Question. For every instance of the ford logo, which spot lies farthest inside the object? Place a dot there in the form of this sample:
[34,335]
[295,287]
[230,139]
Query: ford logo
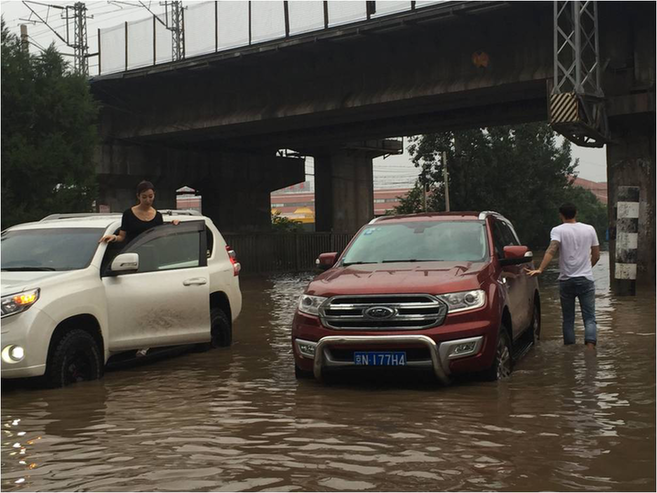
[379,312]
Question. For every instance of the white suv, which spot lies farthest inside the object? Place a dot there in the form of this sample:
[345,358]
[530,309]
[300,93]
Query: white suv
[69,303]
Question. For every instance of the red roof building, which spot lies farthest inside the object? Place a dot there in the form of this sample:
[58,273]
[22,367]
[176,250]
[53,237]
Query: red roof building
[598,188]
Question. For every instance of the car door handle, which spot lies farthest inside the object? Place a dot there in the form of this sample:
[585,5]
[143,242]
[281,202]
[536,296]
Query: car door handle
[195,281]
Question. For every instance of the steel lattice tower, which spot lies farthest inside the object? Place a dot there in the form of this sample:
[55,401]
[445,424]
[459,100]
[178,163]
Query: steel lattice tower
[577,108]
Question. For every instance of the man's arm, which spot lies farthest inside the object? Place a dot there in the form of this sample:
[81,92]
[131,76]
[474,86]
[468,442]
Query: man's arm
[549,255]
[595,254]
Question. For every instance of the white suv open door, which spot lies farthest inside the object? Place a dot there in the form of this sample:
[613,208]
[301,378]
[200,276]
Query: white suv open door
[166,301]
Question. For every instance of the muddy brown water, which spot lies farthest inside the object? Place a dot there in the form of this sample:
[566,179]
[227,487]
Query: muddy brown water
[237,420]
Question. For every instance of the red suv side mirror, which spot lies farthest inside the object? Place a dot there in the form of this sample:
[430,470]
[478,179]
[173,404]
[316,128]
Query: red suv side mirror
[326,260]
[514,255]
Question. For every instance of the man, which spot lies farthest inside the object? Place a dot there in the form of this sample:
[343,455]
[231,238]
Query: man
[579,250]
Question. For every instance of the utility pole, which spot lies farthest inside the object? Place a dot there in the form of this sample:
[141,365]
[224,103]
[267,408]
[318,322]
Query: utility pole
[79,43]
[80,47]
[424,197]
[446,179]
[423,179]
[25,44]
[177,28]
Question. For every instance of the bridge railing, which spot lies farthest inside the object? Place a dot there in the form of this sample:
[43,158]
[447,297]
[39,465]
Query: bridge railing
[261,253]
[210,27]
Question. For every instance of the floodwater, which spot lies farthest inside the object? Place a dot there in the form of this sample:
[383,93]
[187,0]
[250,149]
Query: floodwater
[237,420]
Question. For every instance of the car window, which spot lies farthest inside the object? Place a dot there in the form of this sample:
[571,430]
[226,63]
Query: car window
[503,236]
[498,239]
[416,241]
[509,236]
[178,250]
[56,249]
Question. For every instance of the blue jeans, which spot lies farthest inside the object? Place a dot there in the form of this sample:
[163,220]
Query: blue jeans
[583,289]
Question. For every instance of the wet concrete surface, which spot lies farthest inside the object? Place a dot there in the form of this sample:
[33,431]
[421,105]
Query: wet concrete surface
[237,420]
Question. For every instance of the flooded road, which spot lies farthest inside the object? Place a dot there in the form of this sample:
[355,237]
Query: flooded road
[237,420]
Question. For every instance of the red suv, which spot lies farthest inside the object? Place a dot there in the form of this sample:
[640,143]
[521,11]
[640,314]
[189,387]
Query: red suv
[443,291]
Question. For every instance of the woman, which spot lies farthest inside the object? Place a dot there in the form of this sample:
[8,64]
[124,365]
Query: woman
[138,218]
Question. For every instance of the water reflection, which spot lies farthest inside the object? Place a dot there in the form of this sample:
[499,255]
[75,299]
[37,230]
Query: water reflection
[237,419]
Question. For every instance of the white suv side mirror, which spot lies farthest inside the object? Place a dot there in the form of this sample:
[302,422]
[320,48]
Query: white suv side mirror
[125,262]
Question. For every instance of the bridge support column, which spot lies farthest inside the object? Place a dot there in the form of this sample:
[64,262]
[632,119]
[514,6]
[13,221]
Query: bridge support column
[344,191]
[236,190]
[631,163]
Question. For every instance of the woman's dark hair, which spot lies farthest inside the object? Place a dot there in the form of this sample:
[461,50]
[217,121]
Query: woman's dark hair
[143,186]
[568,210]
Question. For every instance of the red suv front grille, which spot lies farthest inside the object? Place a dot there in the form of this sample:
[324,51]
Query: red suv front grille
[383,312]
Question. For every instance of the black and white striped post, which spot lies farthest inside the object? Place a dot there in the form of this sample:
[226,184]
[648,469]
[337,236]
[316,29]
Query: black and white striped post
[627,236]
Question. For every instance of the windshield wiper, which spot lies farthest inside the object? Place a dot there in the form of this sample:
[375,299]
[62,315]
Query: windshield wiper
[27,269]
[358,262]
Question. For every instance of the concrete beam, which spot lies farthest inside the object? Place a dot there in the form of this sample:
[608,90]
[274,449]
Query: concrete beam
[422,72]
[235,186]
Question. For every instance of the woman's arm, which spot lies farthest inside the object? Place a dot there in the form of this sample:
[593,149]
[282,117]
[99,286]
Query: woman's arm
[113,238]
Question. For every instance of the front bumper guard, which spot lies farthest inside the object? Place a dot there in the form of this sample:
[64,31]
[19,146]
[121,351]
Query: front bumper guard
[441,354]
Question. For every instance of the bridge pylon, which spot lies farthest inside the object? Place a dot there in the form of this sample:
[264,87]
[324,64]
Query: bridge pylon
[577,104]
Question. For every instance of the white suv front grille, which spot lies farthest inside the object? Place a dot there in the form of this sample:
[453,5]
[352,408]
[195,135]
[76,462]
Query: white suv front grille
[383,312]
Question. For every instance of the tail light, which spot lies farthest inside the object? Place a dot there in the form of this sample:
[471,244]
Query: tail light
[232,256]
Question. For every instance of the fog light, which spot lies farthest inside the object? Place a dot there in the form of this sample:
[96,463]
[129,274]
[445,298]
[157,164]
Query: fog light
[13,354]
[306,348]
[464,348]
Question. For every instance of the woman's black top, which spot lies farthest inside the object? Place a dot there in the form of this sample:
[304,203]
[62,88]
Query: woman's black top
[133,226]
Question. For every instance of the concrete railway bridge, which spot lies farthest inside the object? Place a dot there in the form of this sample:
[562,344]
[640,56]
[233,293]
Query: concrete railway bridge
[216,121]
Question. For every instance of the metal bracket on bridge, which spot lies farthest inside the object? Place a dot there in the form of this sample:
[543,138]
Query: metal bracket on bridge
[577,105]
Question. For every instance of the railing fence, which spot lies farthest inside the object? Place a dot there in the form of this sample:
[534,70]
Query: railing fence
[210,27]
[283,252]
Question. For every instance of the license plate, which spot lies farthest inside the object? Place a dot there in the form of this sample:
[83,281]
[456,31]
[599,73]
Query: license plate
[376,358]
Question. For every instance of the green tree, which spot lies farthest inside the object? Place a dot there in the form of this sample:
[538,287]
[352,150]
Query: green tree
[282,224]
[519,171]
[48,135]
[411,202]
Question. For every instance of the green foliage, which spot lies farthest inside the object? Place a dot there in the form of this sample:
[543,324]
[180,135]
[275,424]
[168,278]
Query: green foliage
[517,171]
[48,135]
[411,202]
[280,224]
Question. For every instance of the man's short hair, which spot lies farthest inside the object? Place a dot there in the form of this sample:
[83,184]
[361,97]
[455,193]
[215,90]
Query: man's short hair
[568,210]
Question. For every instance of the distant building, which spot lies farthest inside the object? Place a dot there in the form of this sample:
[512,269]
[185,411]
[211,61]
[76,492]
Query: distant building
[186,198]
[300,206]
[599,189]
[297,202]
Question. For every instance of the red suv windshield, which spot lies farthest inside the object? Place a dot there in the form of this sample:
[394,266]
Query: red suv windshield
[416,241]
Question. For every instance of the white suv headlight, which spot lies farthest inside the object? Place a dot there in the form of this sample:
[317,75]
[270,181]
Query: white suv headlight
[465,300]
[310,304]
[19,302]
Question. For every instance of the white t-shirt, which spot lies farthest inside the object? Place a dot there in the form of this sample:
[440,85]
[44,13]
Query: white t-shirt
[575,242]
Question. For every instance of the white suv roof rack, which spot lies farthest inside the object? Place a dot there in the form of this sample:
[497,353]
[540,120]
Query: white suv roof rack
[484,214]
[68,215]
[164,212]
[179,212]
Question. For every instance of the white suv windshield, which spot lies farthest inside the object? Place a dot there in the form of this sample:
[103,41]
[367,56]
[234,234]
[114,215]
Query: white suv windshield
[49,248]
[419,241]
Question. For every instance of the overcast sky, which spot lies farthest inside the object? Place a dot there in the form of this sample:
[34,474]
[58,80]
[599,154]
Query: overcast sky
[393,171]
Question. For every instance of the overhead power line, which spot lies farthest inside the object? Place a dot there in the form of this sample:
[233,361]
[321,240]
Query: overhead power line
[78,39]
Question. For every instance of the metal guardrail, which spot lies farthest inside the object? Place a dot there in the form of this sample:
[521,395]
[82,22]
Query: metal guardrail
[260,253]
